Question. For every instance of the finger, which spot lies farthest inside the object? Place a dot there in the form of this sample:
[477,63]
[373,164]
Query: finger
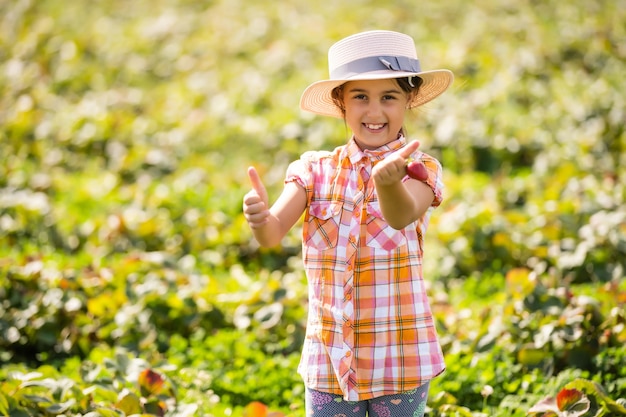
[257,184]
[410,147]
[258,225]
[257,218]
[251,197]
[253,204]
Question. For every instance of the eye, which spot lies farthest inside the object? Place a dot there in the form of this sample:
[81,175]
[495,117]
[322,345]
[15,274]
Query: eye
[360,97]
[392,95]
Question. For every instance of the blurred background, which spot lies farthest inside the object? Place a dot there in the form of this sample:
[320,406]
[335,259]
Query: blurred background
[129,281]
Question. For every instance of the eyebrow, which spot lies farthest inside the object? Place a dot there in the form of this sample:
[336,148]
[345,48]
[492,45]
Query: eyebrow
[361,90]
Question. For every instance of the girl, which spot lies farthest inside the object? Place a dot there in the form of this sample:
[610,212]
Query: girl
[371,346]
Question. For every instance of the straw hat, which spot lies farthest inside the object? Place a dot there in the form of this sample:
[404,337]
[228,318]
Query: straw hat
[373,55]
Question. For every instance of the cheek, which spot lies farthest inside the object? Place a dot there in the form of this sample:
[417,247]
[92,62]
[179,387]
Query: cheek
[352,114]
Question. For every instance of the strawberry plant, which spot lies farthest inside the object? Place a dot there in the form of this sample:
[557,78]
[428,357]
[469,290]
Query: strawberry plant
[579,398]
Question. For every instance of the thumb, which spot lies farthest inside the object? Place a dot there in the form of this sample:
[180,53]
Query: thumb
[257,184]
[407,150]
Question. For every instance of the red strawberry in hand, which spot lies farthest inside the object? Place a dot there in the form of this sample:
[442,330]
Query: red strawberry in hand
[417,170]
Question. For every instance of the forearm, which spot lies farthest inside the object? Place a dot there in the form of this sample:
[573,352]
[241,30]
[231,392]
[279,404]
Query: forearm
[396,204]
[402,203]
[270,234]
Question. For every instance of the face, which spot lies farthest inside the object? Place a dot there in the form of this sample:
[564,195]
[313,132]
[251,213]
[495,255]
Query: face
[374,111]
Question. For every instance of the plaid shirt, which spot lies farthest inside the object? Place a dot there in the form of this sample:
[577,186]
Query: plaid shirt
[370,330]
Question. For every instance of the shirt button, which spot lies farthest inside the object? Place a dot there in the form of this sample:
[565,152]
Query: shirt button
[348,297]
[348,354]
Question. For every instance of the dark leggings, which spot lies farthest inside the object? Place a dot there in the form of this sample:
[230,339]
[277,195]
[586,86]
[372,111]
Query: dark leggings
[407,404]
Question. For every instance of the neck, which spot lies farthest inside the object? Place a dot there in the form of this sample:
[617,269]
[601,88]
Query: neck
[364,147]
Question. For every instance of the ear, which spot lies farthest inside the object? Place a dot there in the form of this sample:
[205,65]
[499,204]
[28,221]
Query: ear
[337,96]
[411,97]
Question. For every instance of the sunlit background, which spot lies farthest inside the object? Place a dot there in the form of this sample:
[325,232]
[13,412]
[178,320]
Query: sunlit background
[129,280]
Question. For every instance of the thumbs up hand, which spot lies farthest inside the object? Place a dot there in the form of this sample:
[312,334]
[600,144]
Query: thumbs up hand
[255,202]
[392,169]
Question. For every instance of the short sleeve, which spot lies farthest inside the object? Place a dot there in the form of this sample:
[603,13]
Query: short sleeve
[296,172]
[435,175]
[300,171]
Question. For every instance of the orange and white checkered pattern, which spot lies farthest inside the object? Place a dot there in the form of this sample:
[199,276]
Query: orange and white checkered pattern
[370,330]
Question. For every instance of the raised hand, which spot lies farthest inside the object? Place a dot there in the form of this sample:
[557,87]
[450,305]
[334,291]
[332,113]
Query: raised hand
[255,202]
[393,168]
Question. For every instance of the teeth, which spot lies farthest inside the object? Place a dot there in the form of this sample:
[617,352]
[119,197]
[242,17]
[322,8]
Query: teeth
[374,127]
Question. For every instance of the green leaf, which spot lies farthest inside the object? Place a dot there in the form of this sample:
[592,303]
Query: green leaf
[595,390]
[60,408]
[4,404]
[455,410]
[129,404]
[104,412]
[531,356]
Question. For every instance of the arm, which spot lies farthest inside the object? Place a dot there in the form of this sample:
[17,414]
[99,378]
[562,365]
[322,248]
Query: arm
[401,203]
[269,226]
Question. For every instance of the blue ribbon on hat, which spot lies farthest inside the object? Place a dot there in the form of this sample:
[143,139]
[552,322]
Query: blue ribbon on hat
[375,63]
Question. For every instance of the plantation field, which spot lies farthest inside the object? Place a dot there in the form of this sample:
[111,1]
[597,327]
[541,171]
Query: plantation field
[130,283]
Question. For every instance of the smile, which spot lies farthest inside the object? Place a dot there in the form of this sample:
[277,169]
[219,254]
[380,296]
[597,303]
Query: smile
[374,126]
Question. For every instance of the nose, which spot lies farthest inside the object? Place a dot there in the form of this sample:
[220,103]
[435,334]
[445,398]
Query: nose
[374,108]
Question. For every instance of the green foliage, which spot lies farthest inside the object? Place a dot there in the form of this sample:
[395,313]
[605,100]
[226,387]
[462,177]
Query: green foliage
[129,283]
[240,369]
[50,313]
[544,335]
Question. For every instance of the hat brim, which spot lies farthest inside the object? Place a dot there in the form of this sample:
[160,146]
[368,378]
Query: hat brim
[317,98]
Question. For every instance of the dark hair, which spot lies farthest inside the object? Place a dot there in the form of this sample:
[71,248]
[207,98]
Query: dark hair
[409,85]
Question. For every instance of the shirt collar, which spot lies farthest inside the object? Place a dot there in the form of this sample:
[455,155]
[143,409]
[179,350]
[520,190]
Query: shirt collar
[356,154]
